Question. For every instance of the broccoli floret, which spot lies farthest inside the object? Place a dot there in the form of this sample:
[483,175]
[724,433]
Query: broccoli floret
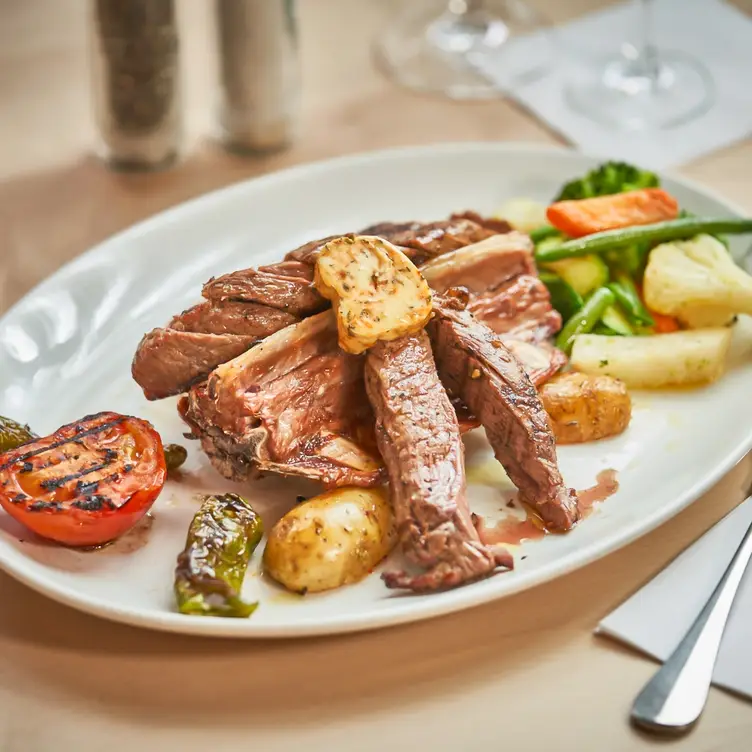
[609,178]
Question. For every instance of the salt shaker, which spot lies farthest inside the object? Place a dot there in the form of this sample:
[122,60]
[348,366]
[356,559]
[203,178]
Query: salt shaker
[260,74]
[136,81]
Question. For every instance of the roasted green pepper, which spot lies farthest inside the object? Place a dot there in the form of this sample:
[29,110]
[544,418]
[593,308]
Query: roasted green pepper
[13,434]
[209,575]
[175,455]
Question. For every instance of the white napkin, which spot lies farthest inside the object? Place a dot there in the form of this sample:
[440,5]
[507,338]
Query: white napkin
[656,618]
[713,31]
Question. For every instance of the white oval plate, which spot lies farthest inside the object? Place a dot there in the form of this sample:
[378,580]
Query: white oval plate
[66,348]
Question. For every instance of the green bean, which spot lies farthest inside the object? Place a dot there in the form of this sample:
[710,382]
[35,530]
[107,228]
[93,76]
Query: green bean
[564,298]
[626,294]
[585,319]
[673,229]
[543,232]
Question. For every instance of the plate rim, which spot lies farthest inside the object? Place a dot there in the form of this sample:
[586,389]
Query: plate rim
[201,626]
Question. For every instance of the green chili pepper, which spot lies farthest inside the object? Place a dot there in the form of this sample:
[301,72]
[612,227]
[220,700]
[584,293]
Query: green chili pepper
[13,434]
[209,575]
[585,319]
[660,232]
[563,296]
[626,294]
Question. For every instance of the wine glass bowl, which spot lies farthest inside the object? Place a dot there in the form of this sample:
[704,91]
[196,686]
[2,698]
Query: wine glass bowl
[436,46]
[644,88]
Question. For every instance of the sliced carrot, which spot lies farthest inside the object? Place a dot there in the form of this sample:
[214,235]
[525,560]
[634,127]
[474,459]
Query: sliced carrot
[589,215]
[664,324]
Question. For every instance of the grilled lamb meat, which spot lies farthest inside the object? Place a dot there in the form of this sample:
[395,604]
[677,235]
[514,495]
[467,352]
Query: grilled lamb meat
[170,360]
[273,286]
[505,294]
[167,363]
[420,242]
[295,405]
[419,438]
[475,365]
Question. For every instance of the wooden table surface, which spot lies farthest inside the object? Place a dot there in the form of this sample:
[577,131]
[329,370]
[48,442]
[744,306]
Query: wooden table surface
[525,673]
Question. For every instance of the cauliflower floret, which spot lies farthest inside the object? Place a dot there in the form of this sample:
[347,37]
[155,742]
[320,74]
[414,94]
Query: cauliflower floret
[698,282]
[523,214]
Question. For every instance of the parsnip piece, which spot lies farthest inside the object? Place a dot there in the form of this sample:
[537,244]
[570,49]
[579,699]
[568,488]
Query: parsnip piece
[663,360]
[376,291]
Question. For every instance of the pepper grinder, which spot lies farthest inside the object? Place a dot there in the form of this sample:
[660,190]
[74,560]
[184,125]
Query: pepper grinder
[136,82]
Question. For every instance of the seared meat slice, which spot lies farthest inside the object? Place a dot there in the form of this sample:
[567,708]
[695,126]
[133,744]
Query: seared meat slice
[169,361]
[540,361]
[293,294]
[505,292]
[419,439]
[294,404]
[420,242]
[250,319]
[499,226]
[258,302]
[474,364]
[507,296]
[520,309]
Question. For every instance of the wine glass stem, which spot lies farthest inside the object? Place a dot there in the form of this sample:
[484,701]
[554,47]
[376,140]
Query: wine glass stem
[648,56]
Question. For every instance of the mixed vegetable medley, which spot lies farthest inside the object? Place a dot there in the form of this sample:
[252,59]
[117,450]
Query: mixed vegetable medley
[622,262]
[647,293]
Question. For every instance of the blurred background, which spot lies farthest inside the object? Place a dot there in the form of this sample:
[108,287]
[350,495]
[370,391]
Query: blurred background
[340,76]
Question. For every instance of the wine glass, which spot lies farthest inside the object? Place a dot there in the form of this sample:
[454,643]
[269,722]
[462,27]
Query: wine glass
[439,47]
[644,88]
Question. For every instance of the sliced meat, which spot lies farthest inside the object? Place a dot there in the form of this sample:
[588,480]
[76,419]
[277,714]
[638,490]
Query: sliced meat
[519,309]
[294,294]
[499,226]
[419,438]
[258,302]
[250,319]
[475,365]
[169,361]
[306,253]
[540,361]
[421,242]
[484,266]
[498,275]
[294,404]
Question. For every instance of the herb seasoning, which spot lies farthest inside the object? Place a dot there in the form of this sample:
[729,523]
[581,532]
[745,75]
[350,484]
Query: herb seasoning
[135,75]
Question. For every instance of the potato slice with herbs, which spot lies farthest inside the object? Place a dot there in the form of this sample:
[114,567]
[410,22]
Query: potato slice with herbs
[376,291]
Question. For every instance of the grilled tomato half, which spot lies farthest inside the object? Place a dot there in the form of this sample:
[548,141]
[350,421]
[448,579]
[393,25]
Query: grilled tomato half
[87,483]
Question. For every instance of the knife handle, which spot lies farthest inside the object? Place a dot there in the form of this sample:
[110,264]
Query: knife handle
[673,700]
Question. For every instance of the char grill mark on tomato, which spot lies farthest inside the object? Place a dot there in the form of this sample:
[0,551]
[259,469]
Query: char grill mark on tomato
[87,483]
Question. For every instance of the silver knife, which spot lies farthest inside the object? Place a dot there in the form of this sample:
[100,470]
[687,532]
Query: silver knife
[673,700]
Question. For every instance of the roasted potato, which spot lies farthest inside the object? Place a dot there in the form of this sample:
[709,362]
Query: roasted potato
[585,408]
[376,291]
[330,540]
[678,359]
